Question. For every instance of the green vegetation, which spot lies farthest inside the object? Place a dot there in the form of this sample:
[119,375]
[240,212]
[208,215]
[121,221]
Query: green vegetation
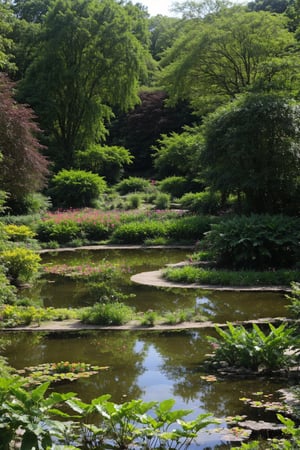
[125,113]
[254,349]
[22,264]
[76,188]
[294,297]
[133,184]
[206,202]
[121,227]
[175,186]
[107,314]
[256,241]
[31,418]
[106,161]
[192,274]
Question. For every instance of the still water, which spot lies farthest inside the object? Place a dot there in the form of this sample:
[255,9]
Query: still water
[149,365]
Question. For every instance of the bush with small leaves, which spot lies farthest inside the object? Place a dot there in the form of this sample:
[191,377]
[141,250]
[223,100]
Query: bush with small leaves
[76,188]
[201,202]
[175,186]
[133,184]
[22,264]
[162,201]
[18,233]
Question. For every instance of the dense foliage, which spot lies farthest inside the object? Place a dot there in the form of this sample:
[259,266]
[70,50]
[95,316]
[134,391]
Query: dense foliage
[251,148]
[76,188]
[256,241]
[23,169]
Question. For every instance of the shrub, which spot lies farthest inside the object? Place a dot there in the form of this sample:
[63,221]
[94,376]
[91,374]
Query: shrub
[189,228]
[62,232]
[175,186]
[22,264]
[149,319]
[105,160]
[29,220]
[133,201]
[32,203]
[138,232]
[107,314]
[201,202]
[253,349]
[76,188]
[257,241]
[7,291]
[18,233]
[162,201]
[133,184]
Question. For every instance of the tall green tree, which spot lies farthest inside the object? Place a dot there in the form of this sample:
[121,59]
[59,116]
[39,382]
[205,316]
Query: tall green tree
[6,42]
[89,62]
[226,54]
[252,148]
[164,31]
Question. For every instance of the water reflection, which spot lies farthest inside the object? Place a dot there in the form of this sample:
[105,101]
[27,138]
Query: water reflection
[151,366]
[146,365]
[217,306]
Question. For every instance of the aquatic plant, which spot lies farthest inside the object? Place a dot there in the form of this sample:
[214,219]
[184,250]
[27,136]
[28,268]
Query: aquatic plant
[253,349]
[58,371]
[142,425]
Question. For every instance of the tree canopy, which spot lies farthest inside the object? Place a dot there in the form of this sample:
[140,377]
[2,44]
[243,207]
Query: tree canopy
[89,61]
[252,148]
[226,54]
[23,169]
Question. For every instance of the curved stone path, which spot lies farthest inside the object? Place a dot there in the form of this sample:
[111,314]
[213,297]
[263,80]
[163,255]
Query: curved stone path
[153,278]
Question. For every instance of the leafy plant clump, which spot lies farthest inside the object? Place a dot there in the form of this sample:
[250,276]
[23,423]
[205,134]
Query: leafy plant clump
[18,233]
[133,184]
[255,350]
[76,188]
[111,313]
[256,242]
[16,315]
[201,202]
[142,425]
[176,186]
[29,418]
[22,264]
[294,297]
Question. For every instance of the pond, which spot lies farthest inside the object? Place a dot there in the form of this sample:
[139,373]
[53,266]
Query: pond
[150,365]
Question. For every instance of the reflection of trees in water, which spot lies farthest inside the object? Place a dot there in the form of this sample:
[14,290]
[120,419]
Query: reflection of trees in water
[24,349]
[182,353]
[116,350]
[230,306]
[119,352]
